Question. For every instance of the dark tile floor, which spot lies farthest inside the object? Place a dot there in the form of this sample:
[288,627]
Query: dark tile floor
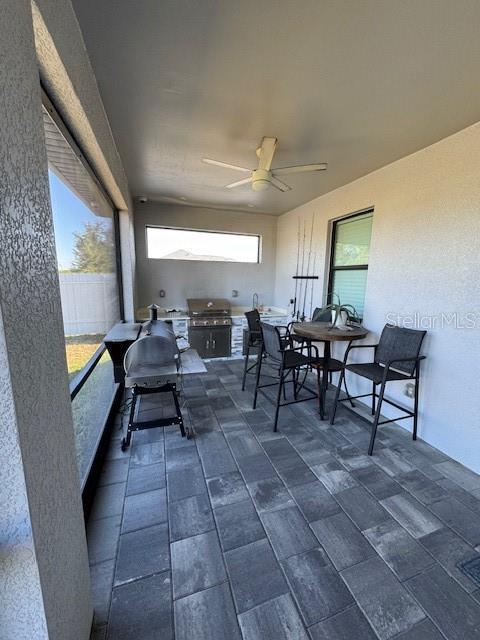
[244,533]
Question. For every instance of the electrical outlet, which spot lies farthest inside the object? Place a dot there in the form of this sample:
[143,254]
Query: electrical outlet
[410,390]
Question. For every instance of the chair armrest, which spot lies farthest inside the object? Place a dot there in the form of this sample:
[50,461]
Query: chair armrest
[308,346]
[357,346]
[297,348]
[365,346]
[389,363]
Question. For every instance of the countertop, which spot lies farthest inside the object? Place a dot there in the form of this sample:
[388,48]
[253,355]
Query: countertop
[237,312]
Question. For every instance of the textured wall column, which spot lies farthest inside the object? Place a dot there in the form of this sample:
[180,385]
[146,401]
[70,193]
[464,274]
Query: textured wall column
[127,251]
[44,582]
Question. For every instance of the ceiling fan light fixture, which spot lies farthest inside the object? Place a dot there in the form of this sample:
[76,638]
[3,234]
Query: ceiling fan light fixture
[264,176]
[260,185]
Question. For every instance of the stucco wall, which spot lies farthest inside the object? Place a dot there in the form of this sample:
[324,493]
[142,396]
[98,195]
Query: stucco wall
[424,260]
[184,279]
[44,579]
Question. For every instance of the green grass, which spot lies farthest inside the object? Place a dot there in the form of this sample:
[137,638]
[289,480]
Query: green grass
[79,351]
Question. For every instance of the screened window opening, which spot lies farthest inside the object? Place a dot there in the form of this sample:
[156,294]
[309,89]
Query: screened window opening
[207,246]
[83,221]
[349,260]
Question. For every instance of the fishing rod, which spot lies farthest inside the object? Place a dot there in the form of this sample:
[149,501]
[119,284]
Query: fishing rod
[308,270]
[303,264]
[313,274]
[313,284]
[296,269]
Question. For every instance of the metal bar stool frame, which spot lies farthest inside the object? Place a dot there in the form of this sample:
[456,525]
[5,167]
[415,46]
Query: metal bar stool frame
[285,352]
[394,369]
[255,341]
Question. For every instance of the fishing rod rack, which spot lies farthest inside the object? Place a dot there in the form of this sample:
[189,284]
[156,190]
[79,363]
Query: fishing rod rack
[304,278]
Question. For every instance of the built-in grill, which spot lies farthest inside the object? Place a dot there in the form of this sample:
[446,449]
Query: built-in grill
[210,326]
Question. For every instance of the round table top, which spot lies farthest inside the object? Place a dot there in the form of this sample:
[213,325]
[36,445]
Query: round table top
[323,331]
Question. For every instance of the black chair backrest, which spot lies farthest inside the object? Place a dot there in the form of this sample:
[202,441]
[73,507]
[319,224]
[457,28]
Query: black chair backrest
[272,342]
[398,342]
[253,320]
[322,315]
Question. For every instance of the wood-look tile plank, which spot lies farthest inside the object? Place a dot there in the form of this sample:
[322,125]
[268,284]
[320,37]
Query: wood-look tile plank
[206,615]
[416,519]
[276,619]
[316,585]
[457,616]
[288,532]
[342,540]
[197,564]
[388,606]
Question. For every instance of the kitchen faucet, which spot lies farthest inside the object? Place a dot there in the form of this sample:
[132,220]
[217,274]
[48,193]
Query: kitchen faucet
[255,301]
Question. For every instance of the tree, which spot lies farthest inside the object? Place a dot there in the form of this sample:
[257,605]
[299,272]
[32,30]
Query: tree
[93,251]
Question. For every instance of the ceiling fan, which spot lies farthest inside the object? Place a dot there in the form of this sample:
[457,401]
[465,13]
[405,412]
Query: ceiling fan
[264,176]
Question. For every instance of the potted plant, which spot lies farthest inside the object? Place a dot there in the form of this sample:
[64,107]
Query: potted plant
[342,313]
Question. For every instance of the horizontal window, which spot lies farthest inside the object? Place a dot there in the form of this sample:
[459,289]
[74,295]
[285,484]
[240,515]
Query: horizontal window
[207,246]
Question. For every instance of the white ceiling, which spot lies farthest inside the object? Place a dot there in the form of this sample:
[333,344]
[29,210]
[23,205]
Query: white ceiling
[355,83]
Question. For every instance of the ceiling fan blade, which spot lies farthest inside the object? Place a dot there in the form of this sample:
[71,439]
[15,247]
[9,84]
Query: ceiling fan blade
[302,168]
[265,156]
[217,163]
[281,186]
[239,183]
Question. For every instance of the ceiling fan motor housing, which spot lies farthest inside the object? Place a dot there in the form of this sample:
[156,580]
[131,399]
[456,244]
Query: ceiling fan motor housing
[260,179]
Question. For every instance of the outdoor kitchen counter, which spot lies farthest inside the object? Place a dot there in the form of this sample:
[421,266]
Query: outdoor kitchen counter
[180,319]
[143,313]
[268,312]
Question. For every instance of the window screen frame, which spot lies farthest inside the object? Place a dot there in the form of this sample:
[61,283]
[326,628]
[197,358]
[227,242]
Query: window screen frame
[90,481]
[354,267]
[71,141]
[209,231]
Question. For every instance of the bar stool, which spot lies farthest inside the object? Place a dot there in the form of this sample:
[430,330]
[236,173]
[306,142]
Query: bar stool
[254,341]
[290,361]
[396,357]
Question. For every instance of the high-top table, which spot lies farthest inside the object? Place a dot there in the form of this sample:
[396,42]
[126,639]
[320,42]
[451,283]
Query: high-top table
[324,332]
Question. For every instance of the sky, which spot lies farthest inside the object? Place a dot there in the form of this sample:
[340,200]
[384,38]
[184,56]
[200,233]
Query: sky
[69,216]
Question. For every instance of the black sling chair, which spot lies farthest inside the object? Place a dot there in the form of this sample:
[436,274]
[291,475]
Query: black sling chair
[289,360]
[254,340]
[396,357]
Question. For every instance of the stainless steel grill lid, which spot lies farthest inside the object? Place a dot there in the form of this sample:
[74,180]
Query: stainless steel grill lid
[208,306]
[153,359]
